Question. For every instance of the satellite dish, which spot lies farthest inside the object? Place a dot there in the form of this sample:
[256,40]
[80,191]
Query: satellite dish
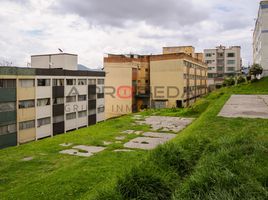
[60,50]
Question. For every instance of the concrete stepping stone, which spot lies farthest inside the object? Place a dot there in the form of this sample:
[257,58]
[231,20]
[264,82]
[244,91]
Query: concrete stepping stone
[167,136]
[138,132]
[27,159]
[120,138]
[123,150]
[90,149]
[145,143]
[76,152]
[164,123]
[66,144]
[128,131]
[107,143]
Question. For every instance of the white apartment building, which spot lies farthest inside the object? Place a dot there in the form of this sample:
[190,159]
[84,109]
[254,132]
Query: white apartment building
[260,38]
[222,62]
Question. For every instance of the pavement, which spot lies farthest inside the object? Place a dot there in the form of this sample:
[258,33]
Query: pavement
[246,106]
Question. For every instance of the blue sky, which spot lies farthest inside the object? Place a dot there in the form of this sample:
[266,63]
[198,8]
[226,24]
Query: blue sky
[93,28]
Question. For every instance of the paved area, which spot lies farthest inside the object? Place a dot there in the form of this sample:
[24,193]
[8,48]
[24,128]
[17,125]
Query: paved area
[246,106]
[174,124]
[151,141]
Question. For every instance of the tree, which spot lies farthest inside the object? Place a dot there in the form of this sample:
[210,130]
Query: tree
[255,70]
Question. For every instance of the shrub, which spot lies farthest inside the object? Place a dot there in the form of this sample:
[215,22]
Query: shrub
[146,183]
[228,81]
[241,79]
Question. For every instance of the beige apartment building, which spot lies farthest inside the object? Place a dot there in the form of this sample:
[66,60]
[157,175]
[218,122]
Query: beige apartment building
[260,38]
[135,82]
[222,62]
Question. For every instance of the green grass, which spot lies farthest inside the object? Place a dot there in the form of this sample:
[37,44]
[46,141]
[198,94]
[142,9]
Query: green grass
[214,158]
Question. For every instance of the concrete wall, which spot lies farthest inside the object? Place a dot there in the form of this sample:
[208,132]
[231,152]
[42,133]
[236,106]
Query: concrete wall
[65,61]
[173,71]
[118,75]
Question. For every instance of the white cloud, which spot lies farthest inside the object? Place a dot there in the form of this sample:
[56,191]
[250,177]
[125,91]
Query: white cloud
[34,27]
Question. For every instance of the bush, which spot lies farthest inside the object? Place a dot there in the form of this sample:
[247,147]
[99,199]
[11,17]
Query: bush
[146,183]
[241,79]
[228,82]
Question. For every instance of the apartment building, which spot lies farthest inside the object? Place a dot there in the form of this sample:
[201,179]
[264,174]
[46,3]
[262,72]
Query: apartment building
[189,50]
[260,38]
[222,62]
[127,84]
[36,103]
[134,82]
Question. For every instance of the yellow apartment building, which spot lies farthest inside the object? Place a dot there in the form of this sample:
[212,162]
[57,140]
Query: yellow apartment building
[175,78]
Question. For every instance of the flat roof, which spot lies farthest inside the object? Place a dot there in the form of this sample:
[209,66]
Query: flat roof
[54,54]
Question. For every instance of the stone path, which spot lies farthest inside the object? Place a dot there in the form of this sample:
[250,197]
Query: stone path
[246,106]
[174,124]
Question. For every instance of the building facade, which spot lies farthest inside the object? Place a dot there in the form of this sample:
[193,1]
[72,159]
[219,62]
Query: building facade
[260,38]
[36,103]
[222,62]
[135,82]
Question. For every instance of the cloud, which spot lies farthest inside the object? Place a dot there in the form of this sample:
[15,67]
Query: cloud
[92,28]
[168,14]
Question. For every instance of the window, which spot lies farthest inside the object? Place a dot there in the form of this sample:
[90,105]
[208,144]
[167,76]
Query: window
[101,109]
[92,96]
[57,101]
[101,81]
[58,82]
[220,68]
[231,55]
[82,114]
[43,121]
[230,62]
[26,104]
[92,111]
[210,75]
[7,107]
[43,82]
[82,97]
[70,99]
[230,69]
[70,116]
[71,81]
[58,119]
[91,81]
[7,83]
[26,83]
[100,95]
[208,54]
[4,130]
[82,81]
[27,125]
[43,102]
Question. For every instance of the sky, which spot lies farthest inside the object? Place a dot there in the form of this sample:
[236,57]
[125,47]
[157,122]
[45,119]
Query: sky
[93,28]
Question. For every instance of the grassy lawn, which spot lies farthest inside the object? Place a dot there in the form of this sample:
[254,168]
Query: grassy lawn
[214,158]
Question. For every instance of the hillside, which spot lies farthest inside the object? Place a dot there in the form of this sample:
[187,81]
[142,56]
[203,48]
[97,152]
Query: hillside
[214,158]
